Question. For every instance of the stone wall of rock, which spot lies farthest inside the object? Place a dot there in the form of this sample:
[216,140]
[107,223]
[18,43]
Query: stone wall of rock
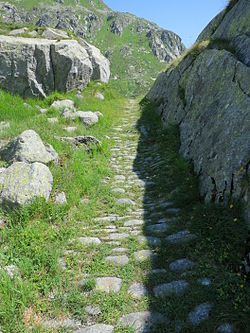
[208,95]
[37,66]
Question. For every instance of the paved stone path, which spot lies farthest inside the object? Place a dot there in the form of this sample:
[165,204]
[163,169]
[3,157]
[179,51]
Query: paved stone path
[149,222]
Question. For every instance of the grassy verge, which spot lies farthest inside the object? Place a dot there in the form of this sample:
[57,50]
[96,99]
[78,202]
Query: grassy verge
[36,235]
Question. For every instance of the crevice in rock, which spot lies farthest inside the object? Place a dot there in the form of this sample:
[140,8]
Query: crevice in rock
[214,191]
[51,51]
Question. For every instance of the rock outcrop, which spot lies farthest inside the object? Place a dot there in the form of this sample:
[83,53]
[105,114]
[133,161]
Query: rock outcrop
[36,66]
[208,95]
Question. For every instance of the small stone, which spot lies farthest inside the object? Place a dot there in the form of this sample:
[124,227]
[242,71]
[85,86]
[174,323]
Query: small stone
[143,322]
[162,227]
[151,241]
[116,236]
[174,287]
[108,284]
[118,190]
[62,263]
[53,120]
[98,328]
[125,201]
[180,236]
[65,323]
[61,199]
[225,328]
[137,290]
[120,178]
[144,255]
[120,250]
[199,314]
[133,223]
[12,271]
[99,114]
[181,265]
[93,311]
[4,125]
[89,240]
[70,129]
[204,282]
[100,96]
[158,271]
[173,210]
[118,260]
[66,103]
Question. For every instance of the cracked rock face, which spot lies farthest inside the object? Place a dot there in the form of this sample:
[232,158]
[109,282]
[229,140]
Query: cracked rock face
[33,67]
[208,96]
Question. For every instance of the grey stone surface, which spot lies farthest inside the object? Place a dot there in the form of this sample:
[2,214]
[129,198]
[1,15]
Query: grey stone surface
[199,314]
[133,223]
[22,183]
[89,240]
[100,96]
[201,95]
[42,65]
[174,287]
[62,104]
[144,255]
[97,328]
[204,282]
[138,290]
[181,265]
[121,260]
[50,33]
[126,201]
[65,323]
[181,236]
[108,284]
[4,125]
[12,271]
[158,228]
[28,147]
[60,198]
[93,310]
[225,328]
[143,322]
[53,120]
[151,241]
[120,250]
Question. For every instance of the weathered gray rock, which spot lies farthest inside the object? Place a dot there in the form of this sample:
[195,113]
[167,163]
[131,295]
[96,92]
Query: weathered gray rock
[100,96]
[60,198]
[93,310]
[89,240]
[125,201]
[4,125]
[174,287]
[108,284]
[50,33]
[205,92]
[98,328]
[67,323]
[36,67]
[22,183]
[137,290]
[225,328]
[158,228]
[80,140]
[181,265]
[53,120]
[204,282]
[133,223]
[144,255]
[28,147]
[88,118]
[17,32]
[121,260]
[199,314]
[62,104]
[181,236]
[143,322]
[151,241]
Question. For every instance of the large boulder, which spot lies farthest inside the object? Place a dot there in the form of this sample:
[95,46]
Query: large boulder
[208,96]
[36,67]
[21,183]
[100,64]
[28,147]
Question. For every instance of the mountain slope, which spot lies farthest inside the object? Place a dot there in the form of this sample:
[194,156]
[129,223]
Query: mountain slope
[137,49]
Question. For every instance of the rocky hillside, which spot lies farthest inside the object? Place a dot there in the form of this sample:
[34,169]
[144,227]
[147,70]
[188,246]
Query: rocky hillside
[207,93]
[137,49]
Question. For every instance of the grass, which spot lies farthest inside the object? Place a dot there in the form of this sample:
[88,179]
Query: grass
[36,235]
